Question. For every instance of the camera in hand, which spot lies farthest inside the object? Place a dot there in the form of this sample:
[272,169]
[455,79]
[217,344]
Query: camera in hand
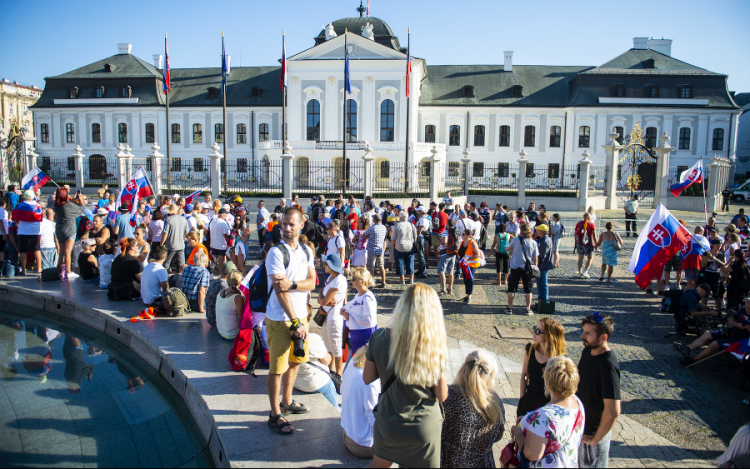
[299,346]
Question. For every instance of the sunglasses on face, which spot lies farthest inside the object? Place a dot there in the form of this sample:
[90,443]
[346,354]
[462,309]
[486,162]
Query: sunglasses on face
[537,331]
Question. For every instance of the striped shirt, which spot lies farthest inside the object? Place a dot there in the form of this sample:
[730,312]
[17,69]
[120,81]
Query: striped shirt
[375,238]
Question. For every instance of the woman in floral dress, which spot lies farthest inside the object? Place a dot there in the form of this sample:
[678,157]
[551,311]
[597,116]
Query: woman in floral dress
[550,436]
[607,240]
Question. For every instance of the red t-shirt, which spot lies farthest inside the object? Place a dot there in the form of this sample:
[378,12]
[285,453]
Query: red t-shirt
[442,220]
[590,228]
[353,219]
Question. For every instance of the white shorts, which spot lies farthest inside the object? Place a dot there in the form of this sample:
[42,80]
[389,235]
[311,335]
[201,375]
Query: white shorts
[333,334]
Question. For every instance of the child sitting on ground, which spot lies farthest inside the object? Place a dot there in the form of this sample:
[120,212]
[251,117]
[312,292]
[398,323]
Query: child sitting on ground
[105,264]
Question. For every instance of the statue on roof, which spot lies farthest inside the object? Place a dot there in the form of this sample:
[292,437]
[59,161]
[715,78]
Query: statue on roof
[330,33]
[367,32]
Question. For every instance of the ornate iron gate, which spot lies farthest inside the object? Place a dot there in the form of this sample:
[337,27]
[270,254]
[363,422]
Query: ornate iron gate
[636,170]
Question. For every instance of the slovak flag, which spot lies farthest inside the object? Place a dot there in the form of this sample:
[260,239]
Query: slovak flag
[465,269]
[189,199]
[688,178]
[284,81]
[137,188]
[690,254]
[28,212]
[167,82]
[660,240]
[35,180]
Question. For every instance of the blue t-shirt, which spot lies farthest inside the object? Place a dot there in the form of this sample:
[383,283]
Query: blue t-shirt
[689,302]
[13,197]
[123,227]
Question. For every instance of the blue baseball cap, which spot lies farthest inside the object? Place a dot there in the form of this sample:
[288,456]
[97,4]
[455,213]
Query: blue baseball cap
[334,262]
[189,208]
[398,207]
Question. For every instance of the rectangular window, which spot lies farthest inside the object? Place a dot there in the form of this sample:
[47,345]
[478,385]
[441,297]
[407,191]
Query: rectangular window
[70,134]
[241,133]
[99,92]
[718,140]
[263,133]
[150,137]
[385,169]
[219,133]
[553,170]
[454,136]
[529,170]
[176,164]
[424,169]
[71,163]
[197,133]
[72,92]
[503,170]
[684,138]
[176,137]
[122,133]
[620,135]
[478,135]
[584,136]
[44,131]
[96,133]
[242,165]
[429,134]
[554,136]
[477,169]
[504,136]
[198,165]
[686,92]
[454,168]
[46,164]
[650,140]
[529,138]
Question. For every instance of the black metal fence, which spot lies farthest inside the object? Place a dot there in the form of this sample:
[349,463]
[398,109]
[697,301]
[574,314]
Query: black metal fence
[98,170]
[391,179]
[245,177]
[328,177]
[143,163]
[61,170]
[598,176]
[488,178]
[696,190]
[186,175]
[453,178]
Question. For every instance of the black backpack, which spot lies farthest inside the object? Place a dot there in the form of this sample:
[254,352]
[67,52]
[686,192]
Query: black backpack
[315,213]
[259,291]
[671,303]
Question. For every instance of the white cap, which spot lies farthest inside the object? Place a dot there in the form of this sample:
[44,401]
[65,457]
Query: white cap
[421,209]
[227,208]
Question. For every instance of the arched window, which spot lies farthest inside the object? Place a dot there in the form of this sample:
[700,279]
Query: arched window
[313,120]
[122,132]
[554,136]
[478,135]
[620,134]
[718,141]
[263,133]
[504,136]
[387,121]
[96,133]
[429,134]
[351,120]
[197,133]
[684,138]
[584,136]
[219,133]
[70,133]
[241,134]
[529,136]
[454,136]
[150,137]
[176,133]
[650,139]
[44,131]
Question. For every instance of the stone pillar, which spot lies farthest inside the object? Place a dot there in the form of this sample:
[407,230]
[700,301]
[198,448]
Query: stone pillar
[369,176]
[129,162]
[216,158]
[122,166]
[436,175]
[613,155]
[467,179]
[583,185]
[156,159]
[286,171]
[661,193]
[31,157]
[4,174]
[717,179]
[78,159]
[522,178]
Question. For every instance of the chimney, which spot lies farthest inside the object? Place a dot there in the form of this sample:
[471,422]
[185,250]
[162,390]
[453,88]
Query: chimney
[508,67]
[124,48]
[640,43]
[663,46]
[157,60]
[229,62]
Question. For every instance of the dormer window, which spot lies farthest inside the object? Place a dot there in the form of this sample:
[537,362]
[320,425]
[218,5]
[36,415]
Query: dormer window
[651,91]
[213,93]
[685,91]
[256,92]
[467,91]
[99,92]
[72,93]
[125,91]
[517,91]
[617,91]
[108,67]
[648,63]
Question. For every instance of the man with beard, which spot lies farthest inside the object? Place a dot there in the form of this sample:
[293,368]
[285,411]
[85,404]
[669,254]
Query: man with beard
[598,390]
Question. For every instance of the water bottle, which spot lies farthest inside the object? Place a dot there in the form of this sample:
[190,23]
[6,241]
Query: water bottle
[64,274]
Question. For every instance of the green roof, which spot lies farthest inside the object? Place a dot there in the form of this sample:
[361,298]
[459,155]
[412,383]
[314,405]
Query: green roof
[190,86]
[633,61]
[125,66]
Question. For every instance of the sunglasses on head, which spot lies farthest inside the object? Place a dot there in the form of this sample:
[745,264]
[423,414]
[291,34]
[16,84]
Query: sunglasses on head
[598,317]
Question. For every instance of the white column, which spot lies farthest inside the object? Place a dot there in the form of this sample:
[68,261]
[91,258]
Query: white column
[286,171]
[129,162]
[662,171]
[4,176]
[583,185]
[466,160]
[437,174]
[522,178]
[156,159]
[612,150]
[216,158]
[78,158]
[369,176]
[122,168]
[31,158]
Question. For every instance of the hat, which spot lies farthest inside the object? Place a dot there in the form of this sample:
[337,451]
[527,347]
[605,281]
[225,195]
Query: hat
[125,207]
[398,207]
[175,196]
[102,211]
[28,195]
[188,208]
[432,202]
[473,204]
[705,287]
[334,262]
[238,199]
[420,209]
[227,208]
[66,186]
[228,267]
[147,209]
[222,211]
[542,227]
[730,228]
[173,209]
[462,212]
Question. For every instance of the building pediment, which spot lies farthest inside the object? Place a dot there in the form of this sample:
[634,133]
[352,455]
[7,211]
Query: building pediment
[360,48]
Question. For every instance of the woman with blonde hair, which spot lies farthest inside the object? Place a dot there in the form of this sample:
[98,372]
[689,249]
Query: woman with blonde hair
[410,357]
[551,435]
[230,304]
[357,403]
[592,214]
[548,342]
[474,418]
[361,313]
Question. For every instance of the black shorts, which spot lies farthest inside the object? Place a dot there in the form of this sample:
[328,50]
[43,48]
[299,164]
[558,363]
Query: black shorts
[219,252]
[726,336]
[28,243]
[501,262]
[2,243]
[515,276]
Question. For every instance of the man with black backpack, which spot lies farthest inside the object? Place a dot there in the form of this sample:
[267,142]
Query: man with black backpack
[316,209]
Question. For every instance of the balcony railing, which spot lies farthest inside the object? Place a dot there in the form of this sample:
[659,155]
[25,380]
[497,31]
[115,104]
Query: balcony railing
[338,145]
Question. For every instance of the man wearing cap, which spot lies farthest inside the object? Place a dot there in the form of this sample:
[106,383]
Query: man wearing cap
[122,226]
[423,225]
[220,231]
[261,221]
[173,237]
[739,329]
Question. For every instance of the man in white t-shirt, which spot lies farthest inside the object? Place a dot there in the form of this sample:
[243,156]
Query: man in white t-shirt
[287,317]
[48,240]
[220,230]
[155,280]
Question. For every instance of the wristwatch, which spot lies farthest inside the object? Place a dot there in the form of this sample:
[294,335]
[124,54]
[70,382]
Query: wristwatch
[294,286]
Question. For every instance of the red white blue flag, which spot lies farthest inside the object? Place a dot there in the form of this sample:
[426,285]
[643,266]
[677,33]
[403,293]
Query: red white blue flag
[189,199]
[34,180]
[688,178]
[167,86]
[283,83]
[690,255]
[137,188]
[661,238]
[28,212]
[465,269]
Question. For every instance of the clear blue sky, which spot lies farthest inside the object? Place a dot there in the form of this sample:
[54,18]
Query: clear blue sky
[46,38]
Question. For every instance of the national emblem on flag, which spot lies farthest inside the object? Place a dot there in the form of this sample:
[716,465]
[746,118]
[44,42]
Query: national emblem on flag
[688,178]
[34,180]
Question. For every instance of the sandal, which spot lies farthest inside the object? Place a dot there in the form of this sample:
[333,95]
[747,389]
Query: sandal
[279,427]
[294,408]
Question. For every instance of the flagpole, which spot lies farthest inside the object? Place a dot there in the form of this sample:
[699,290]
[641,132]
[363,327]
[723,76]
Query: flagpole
[344,172]
[225,78]
[407,172]
[283,92]
[169,137]
[703,183]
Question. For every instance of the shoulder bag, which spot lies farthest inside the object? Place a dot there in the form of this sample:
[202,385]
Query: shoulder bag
[617,243]
[530,269]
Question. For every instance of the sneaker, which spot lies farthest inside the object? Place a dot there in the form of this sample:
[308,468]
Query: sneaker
[585,274]
[650,292]
[529,312]
[687,361]
[508,311]
[467,300]
[681,348]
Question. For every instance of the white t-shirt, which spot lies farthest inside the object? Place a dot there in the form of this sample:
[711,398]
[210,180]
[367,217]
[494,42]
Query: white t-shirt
[105,269]
[312,377]
[47,239]
[219,228]
[205,221]
[192,222]
[334,244]
[357,403]
[363,312]
[300,260]
[426,225]
[4,218]
[157,228]
[340,284]
[151,277]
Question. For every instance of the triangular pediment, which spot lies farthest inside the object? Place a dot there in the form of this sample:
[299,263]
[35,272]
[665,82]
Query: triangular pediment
[360,49]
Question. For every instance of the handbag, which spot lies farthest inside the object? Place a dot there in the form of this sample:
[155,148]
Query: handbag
[509,455]
[320,317]
[530,269]
[617,244]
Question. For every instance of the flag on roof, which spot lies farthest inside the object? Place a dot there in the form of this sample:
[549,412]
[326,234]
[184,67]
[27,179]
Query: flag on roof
[661,238]
[689,177]
[34,180]
[167,85]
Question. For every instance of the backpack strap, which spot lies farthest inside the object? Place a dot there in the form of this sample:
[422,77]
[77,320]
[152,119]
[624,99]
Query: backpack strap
[285,253]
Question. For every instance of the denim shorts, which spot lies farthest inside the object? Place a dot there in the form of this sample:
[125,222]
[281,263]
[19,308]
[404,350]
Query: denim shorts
[446,264]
